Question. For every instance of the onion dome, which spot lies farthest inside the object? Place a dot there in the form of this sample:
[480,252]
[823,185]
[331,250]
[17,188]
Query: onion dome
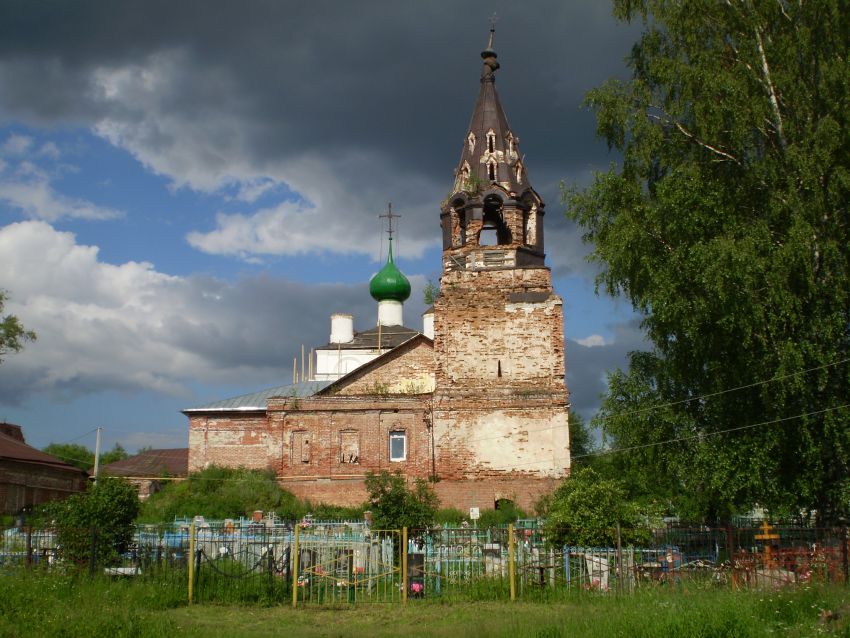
[389,284]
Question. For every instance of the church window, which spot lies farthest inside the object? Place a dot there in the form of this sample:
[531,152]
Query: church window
[491,141]
[300,447]
[398,445]
[349,446]
[491,171]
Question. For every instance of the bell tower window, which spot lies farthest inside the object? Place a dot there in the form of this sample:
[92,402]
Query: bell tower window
[494,231]
[491,141]
[491,170]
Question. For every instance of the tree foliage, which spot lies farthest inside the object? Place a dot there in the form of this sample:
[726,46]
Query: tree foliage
[100,518]
[586,509]
[726,226]
[430,292]
[395,505]
[581,439]
[82,457]
[13,335]
[219,493]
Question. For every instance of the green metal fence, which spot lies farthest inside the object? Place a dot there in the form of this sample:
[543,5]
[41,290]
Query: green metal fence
[338,562]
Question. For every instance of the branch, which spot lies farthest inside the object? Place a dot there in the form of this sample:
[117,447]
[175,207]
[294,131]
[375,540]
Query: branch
[774,103]
[667,119]
[705,145]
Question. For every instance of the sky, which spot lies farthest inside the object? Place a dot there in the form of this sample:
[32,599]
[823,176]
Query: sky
[188,190]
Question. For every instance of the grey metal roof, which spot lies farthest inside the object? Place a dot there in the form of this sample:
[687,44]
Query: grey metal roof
[391,337]
[259,400]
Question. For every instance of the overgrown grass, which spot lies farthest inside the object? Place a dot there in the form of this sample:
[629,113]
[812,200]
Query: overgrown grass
[55,604]
[36,603]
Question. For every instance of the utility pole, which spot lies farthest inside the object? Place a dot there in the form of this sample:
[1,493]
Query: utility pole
[97,455]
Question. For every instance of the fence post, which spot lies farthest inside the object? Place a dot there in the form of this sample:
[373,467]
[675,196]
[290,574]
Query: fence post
[190,562]
[619,560]
[512,560]
[29,545]
[295,567]
[404,565]
[93,550]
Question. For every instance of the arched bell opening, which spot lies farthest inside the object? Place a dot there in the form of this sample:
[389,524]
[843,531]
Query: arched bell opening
[494,231]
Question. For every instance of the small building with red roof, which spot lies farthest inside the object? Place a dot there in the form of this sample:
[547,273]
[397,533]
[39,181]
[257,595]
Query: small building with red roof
[30,477]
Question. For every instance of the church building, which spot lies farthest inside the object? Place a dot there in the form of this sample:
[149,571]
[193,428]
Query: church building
[475,402]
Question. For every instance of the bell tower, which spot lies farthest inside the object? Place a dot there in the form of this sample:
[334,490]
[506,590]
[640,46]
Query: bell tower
[500,402]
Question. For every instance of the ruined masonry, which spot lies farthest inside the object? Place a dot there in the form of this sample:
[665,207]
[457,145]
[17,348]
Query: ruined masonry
[475,402]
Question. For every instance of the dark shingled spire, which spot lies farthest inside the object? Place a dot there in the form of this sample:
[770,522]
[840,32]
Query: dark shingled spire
[490,151]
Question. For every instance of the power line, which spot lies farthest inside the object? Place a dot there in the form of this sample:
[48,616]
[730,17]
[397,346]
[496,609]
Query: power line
[721,392]
[692,436]
[665,405]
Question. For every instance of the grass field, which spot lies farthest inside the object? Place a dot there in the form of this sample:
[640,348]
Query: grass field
[67,605]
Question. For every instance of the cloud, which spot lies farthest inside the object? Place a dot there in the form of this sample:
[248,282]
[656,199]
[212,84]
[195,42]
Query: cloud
[592,341]
[336,111]
[128,327]
[26,184]
[16,145]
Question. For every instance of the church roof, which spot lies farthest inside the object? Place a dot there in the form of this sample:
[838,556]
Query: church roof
[171,462]
[391,336]
[258,400]
[489,140]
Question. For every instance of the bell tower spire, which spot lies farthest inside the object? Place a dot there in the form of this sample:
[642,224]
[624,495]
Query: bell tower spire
[498,325]
[492,205]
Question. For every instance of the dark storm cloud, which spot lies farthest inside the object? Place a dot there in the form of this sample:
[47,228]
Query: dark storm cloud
[391,76]
[588,367]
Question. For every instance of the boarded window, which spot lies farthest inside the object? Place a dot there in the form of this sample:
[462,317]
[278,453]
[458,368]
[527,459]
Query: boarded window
[398,445]
[349,446]
[300,447]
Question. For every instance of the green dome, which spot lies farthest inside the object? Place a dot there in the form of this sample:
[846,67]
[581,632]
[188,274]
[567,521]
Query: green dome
[389,284]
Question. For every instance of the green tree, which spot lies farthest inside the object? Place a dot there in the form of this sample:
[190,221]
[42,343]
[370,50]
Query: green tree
[430,292]
[82,457]
[72,453]
[581,439]
[726,226]
[117,453]
[13,335]
[395,505]
[105,511]
[586,509]
[221,492]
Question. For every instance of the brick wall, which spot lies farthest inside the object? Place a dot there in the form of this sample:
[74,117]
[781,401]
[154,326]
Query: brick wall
[485,336]
[232,439]
[350,435]
[464,494]
[406,370]
[25,484]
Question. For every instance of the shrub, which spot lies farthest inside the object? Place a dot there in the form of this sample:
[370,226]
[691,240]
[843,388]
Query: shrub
[395,505]
[586,509]
[220,492]
[100,518]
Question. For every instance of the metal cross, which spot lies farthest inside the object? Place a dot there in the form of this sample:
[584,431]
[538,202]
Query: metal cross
[390,216]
